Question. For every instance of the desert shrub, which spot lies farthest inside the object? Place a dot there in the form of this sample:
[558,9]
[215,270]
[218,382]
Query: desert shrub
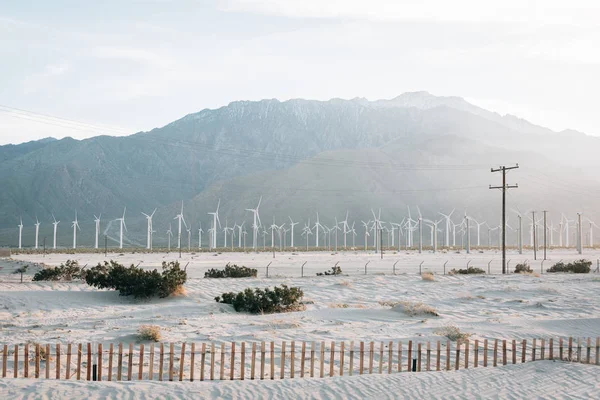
[231,271]
[21,270]
[428,276]
[135,281]
[415,309]
[452,333]
[65,272]
[577,267]
[334,271]
[523,268]
[468,271]
[256,301]
[149,332]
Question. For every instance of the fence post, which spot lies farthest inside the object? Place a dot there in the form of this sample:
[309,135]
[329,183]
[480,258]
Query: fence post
[351,363]
[476,354]
[409,356]
[303,269]
[181,362]
[192,357]
[366,266]
[58,361]
[270,262]
[439,355]
[16,364]
[485,353]
[4,360]
[302,359]
[394,268]
[448,348]
[331,361]
[111,350]
[489,266]
[420,267]
[232,371]
[445,267]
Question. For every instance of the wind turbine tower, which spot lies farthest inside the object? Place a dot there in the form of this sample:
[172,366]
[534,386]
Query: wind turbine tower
[292,224]
[37,232]
[75,226]
[20,232]
[149,234]
[180,221]
[122,226]
[256,224]
[215,221]
[55,223]
[97,221]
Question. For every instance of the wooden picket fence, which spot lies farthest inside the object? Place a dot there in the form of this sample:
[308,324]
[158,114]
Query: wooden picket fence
[233,361]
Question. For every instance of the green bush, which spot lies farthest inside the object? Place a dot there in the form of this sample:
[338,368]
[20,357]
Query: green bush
[576,267]
[334,271]
[523,269]
[65,272]
[135,281]
[257,301]
[231,271]
[468,271]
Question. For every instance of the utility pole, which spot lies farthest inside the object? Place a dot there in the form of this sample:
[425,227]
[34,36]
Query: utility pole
[545,230]
[381,242]
[579,234]
[504,187]
[534,236]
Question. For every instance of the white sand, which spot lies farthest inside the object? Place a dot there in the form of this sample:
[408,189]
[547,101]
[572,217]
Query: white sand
[537,380]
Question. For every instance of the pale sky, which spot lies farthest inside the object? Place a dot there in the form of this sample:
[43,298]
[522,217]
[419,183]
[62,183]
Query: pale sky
[122,66]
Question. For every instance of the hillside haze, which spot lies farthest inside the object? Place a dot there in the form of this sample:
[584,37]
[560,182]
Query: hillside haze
[303,157]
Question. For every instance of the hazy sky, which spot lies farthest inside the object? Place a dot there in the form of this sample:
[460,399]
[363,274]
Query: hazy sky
[133,65]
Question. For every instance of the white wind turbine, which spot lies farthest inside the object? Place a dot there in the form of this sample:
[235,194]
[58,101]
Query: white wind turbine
[241,234]
[367,234]
[20,232]
[55,223]
[353,235]
[180,221]
[317,227]
[189,232]
[37,232]
[305,232]
[214,227]
[448,221]
[150,229]
[122,226]
[292,224]
[200,235]
[75,226]
[256,224]
[434,230]
[97,221]
[169,236]
[345,228]
[591,234]
[226,230]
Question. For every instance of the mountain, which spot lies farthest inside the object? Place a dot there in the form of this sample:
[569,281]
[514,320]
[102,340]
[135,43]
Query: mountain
[302,156]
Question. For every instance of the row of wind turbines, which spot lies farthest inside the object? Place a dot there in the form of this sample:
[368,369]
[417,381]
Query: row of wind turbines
[338,234]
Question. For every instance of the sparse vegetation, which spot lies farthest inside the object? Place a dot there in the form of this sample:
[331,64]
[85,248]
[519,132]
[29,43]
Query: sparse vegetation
[576,267]
[232,271]
[335,270]
[468,271]
[428,276]
[452,332]
[65,272]
[137,282]
[21,270]
[346,283]
[149,333]
[415,308]
[256,301]
[523,268]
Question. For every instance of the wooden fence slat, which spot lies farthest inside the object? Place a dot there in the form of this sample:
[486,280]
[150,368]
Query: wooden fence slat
[419,357]
[141,363]
[504,352]
[262,360]
[485,352]
[342,353]
[222,363]
[302,358]
[16,364]
[361,358]
[390,356]
[533,349]
[381,358]
[89,362]
[161,362]
[476,354]
[428,362]
[551,349]
[371,356]
[193,359]
[351,361]
[282,366]
[120,362]
[4,360]
[182,362]
[448,349]
[514,351]
[578,349]
[58,361]
[100,358]
[598,351]
[457,357]
[570,350]
[332,358]
[26,361]
[79,356]
[130,363]
[48,363]
[253,361]
[292,359]
[272,375]
[560,348]
[524,351]
[151,362]
[321,369]
[111,350]
[171,361]
[37,360]
[409,357]
[466,353]
[439,356]
[243,361]
[203,360]
[312,359]
[589,350]
[399,356]
[543,350]
[495,352]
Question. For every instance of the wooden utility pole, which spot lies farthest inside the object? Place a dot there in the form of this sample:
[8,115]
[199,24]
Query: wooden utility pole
[545,234]
[504,187]
[534,236]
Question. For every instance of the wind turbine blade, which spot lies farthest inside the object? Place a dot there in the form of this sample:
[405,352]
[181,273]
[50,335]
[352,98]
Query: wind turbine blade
[259,201]
[153,212]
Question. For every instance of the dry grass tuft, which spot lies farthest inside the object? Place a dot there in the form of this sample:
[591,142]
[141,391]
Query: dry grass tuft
[428,276]
[414,309]
[338,305]
[388,303]
[452,332]
[180,291]
[533,274]
[149,332]
[346,283]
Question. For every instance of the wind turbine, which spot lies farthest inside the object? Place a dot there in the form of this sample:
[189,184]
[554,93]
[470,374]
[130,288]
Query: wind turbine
[227,229]
[169,236]
[354,236]
[180,221]
[75,226]
[200,236]
[447,236]
[123,225]
[149,238]
[366,226]
[97,221]
[189,232]
[55,223]
[434,230]
[305,232]
[215,221]
[468,222]
[256,225]
[20,232]
[292,224]
[241,234]
[317,227]
[345,228]
[37,231]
